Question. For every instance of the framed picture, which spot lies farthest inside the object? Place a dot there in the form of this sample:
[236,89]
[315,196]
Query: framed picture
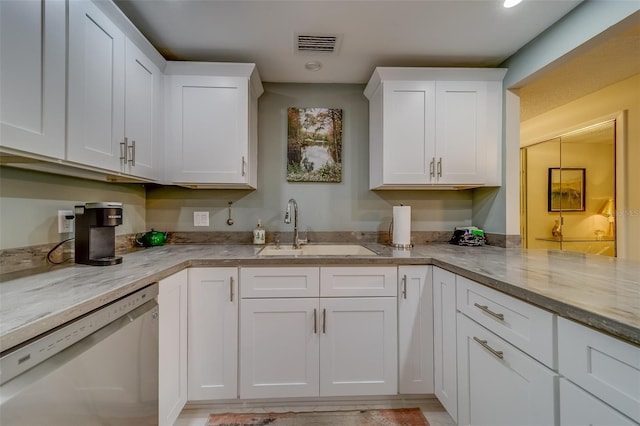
[314,145]
[566,189]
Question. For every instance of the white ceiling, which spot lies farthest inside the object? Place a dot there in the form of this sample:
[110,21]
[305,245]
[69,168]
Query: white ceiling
[479,33]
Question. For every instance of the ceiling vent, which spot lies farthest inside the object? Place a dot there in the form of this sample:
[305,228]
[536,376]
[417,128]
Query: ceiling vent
[327,44]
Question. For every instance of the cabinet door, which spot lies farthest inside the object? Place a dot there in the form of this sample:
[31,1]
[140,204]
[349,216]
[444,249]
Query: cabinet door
[32,76]
[279,348]
[415,330]
[498,384]
[461,111]
[444,340]
[172,300]
[579,408]
[96,88]
[208,130]
[213,333]
[358,346]
[409,132]
[142,100]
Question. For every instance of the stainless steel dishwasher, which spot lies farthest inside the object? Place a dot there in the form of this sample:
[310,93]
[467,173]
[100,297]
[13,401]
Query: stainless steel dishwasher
[101,369]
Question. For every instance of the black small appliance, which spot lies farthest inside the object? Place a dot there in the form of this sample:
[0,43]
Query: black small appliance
[95,237]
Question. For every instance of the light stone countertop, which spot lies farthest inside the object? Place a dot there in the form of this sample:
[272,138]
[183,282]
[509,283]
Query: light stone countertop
[598,291]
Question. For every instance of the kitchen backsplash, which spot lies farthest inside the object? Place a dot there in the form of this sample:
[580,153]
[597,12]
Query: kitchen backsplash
[33,259]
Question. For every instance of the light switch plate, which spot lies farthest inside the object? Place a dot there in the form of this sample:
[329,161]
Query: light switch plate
[200,218]
[65,221]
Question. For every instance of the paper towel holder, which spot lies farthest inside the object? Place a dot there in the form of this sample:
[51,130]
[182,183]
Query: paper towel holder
[394,245]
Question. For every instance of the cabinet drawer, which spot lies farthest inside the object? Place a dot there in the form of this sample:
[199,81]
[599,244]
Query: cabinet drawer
[358,281]
[603,365]
[527,327]
[279,282]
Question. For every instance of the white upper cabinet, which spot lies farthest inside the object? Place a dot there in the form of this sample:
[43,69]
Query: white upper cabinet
[435,128]
[32,76]
[143,91]
[96,88]
[114,97]
[212,124]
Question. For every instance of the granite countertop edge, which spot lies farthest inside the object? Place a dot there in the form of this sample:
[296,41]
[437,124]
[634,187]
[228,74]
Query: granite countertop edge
[517,272]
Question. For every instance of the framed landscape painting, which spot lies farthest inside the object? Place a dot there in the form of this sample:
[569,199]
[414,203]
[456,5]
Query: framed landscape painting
[566,189]
[314,145]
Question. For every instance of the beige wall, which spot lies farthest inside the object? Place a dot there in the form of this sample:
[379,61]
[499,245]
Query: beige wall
[605,103]
[29,204]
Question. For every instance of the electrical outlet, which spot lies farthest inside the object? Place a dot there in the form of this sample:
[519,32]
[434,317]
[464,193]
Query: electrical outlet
[65,221]
[200,218]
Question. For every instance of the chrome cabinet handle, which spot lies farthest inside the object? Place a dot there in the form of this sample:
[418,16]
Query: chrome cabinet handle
[484,344]
[231,289]
[243,166]
[132,158]
[485,308]
[324,321]
[440,167]
[315,321]
[404,287]
[124,150]
[432,172]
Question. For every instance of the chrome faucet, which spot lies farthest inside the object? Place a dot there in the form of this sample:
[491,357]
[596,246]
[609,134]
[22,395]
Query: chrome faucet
[287,219]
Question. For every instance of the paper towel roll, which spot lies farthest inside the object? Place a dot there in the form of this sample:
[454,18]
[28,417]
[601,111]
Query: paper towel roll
[401,225]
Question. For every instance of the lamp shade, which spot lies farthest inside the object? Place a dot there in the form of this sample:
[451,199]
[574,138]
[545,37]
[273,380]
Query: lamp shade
[608,209]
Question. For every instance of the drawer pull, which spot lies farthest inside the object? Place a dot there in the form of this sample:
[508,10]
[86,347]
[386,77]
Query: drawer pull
[315,321]
[231,289]
[485,308]
[484,344]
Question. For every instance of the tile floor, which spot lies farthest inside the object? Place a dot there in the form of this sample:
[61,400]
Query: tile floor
[197,415]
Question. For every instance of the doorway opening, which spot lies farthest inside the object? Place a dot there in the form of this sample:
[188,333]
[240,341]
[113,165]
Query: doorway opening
[568,193]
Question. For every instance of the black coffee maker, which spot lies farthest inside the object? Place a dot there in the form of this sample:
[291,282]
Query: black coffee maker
[95,237]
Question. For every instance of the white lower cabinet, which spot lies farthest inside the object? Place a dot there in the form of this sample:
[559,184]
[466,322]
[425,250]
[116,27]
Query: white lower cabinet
[444,340]
[604,366]
[172,346]
[500,385]
[415,330]
[317,346]
[213,334]
[579,408]
[279,355]
[358,346]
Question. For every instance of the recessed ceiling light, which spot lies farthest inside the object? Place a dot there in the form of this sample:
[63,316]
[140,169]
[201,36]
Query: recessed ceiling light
[313,65]
[511,3]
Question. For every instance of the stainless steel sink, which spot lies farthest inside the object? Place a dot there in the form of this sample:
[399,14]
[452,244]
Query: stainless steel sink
[317,250]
